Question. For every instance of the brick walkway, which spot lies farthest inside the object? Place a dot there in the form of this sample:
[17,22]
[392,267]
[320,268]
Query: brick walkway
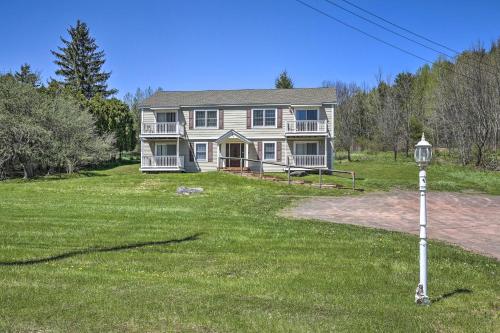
[471,221]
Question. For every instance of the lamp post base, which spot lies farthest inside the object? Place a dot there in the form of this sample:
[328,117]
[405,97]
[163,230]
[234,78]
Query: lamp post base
[420,297]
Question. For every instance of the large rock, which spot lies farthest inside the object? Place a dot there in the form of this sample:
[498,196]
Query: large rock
[182,190]
[298,173]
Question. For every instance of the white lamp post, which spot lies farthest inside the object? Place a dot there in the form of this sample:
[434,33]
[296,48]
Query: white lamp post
[423,156]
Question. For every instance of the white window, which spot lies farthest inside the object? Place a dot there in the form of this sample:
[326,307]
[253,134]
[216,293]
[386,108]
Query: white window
[269,151]
[306,148]
[205,118]
[201,151]
[306,114]
[264,118]
[164,149]
[166,117]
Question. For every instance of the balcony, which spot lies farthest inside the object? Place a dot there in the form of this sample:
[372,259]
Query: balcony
[159,163]
[306,127]
[311,161]
[161,130]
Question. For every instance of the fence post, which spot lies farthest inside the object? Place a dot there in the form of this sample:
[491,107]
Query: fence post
[320,179]
[288,167]
[261,169]
[241,166]
[353,180]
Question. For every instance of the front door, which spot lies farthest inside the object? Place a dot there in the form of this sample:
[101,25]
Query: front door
[235,150]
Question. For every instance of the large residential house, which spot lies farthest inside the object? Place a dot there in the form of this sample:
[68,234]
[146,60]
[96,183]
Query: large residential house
[190,130]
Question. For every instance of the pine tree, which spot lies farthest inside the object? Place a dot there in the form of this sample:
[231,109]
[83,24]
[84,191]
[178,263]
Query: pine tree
[80,63]
[284,81]
[25,75]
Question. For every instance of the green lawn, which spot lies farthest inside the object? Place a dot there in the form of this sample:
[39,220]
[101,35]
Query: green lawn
[236,266]
[379,171]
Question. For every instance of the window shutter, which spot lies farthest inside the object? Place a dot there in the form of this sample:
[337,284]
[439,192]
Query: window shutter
[278,151]
[221,119]
[259,149]
[280,118]
[191,152]
[191,119]
[210,152]
[249,118]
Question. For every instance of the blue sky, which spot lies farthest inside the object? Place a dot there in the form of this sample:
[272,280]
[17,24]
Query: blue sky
[231,44]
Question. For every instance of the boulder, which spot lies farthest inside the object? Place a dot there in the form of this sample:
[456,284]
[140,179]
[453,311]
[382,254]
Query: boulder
[182,190]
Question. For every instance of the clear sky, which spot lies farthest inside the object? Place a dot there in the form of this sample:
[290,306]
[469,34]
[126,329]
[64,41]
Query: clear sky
[231,44]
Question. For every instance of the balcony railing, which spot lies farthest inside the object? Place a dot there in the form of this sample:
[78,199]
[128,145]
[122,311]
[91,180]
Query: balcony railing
[306,126]
[308,160]
[162,161]
[162,128]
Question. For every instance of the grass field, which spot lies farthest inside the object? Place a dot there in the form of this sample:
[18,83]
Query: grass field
[375,172]
[116,250]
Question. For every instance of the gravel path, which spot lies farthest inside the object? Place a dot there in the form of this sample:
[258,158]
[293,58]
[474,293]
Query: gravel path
[471,221]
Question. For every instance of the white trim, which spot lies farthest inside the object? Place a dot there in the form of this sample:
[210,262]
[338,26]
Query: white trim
[164,108]
[295,110]
[206,120]
[264,118]
[302,142]
[264,150]
[305,106]
[206,151]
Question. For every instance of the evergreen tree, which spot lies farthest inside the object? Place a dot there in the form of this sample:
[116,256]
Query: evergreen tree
[25,75]
[80,63]
[284,81]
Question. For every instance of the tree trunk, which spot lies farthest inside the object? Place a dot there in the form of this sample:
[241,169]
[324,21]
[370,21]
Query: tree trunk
[479,160]
[349,154]
[395,150]
[27,170]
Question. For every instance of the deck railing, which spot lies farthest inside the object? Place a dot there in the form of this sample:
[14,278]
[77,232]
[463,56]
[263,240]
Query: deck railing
[308,160]
[305,126]
[163,161]
[162,128]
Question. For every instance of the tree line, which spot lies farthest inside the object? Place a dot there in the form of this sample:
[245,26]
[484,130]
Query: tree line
[456,103]
[64,124]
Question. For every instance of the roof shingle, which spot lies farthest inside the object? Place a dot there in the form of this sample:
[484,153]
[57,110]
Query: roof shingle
[297,96]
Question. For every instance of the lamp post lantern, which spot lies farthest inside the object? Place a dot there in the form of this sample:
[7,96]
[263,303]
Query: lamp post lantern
[423,156]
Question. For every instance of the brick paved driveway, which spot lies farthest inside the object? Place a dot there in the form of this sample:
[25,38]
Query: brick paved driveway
[471,221]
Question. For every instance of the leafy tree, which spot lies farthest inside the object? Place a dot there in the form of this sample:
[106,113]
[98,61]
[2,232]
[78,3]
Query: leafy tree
[39,132]
[80,63]
[113,116]
[404,94]
[133,102]
[25,75]
[284,81]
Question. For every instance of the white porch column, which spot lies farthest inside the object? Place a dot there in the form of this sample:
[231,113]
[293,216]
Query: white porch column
[245,163]
[177,152]
[286,151]
[218,156]
[326,150]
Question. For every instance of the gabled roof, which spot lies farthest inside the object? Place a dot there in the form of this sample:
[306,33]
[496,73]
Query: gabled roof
[297,96]
[230,134]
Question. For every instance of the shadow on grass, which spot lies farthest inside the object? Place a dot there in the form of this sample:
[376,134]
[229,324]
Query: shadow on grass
[450,294]
[94,250]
